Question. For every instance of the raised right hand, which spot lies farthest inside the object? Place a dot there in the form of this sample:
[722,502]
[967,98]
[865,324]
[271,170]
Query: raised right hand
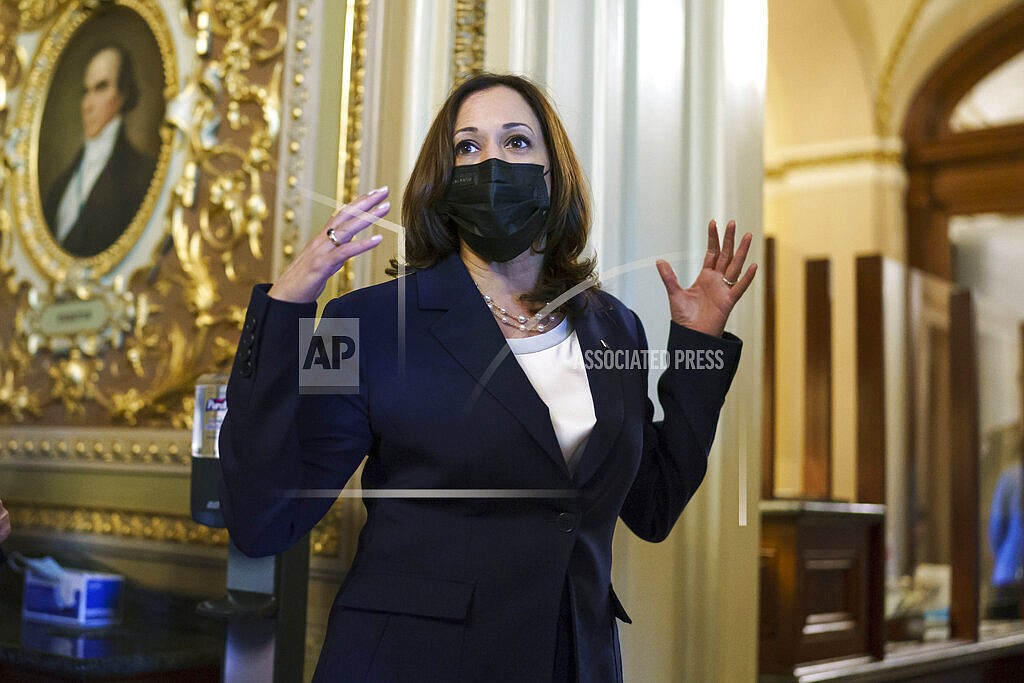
[304,280]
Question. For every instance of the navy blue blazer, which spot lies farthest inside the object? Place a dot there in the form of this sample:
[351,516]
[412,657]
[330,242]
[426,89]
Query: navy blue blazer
[453,588]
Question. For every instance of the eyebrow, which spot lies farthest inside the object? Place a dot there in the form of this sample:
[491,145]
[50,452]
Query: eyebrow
[507,126]
[102,83]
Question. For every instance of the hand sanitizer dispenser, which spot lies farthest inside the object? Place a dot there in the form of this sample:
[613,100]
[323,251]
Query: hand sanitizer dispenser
[265,604]
[210,408]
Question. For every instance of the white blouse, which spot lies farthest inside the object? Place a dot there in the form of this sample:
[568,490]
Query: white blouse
[553,362]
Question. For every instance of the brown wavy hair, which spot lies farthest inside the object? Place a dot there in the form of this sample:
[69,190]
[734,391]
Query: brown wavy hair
[428,238]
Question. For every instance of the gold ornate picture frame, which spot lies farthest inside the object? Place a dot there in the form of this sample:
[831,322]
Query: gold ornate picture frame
[103,342]
[52,148]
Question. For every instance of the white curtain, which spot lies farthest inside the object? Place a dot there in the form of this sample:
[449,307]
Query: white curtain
[664,102]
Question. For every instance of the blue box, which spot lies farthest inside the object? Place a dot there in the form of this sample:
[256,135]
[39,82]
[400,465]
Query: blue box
[67,642]
[76,598]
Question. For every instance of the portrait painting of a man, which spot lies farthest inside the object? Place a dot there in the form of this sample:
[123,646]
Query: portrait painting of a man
[92,203]
[99,140]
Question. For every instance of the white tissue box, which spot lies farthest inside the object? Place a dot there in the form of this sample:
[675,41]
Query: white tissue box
[77,598]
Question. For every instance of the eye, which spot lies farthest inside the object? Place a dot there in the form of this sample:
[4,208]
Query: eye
[465,147]
[519,142]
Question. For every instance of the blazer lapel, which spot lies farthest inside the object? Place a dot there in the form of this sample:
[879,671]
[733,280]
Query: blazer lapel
[594,330]
[468,332]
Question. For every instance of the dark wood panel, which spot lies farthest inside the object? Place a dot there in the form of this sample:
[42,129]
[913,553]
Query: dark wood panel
[964,452]
[871,431]
[821,595]
[997,663]
[817,380]
[992,185]
[1004,141]
[768,409]
[928,246]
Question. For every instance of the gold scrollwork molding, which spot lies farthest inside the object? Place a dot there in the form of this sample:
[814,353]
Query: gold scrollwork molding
[350,124]
[883,93]
[142,526]
[296,131]
[468,50]
[44,446]
[297,126]
[26,516]
[33,14]
[353,74]
[874,156]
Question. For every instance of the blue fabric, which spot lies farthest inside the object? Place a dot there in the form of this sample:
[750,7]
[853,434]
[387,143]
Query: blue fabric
[1006,528]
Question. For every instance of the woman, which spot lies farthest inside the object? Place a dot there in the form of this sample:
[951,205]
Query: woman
[497,477]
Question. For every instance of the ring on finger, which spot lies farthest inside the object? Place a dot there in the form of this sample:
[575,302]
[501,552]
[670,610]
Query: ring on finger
[333,237]
[728,281]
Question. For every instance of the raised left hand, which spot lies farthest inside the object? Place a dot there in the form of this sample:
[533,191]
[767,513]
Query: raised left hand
[706,304]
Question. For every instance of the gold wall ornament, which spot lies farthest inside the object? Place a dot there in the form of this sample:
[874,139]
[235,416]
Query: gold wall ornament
[122,402]
[297,143]
[11,55]
[124,346]
[353,74]
[77,314]
[234,208]
[169,397]
[17,400]
[74,381]
[879,157]
[45,446]
[33,14]
[71,310]
[27,516]
[468,50]
[325,539]
[350,124]
[7,274]
[32,131]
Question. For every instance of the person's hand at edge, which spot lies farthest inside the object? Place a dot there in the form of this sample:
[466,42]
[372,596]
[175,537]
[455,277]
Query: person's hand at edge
[307,275]
[706,304]
[5,523]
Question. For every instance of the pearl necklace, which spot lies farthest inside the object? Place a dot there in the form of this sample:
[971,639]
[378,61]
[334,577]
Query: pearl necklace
[537,321]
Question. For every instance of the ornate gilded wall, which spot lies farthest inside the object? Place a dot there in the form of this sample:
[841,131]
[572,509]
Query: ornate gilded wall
[100,352]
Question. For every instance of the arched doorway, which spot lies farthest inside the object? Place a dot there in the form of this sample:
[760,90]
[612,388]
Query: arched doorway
[964,140]
[961,171]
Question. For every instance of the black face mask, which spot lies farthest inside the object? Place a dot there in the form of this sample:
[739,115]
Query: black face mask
[498,208]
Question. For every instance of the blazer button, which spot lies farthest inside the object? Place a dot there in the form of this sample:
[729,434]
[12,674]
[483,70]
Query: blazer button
[566,522]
